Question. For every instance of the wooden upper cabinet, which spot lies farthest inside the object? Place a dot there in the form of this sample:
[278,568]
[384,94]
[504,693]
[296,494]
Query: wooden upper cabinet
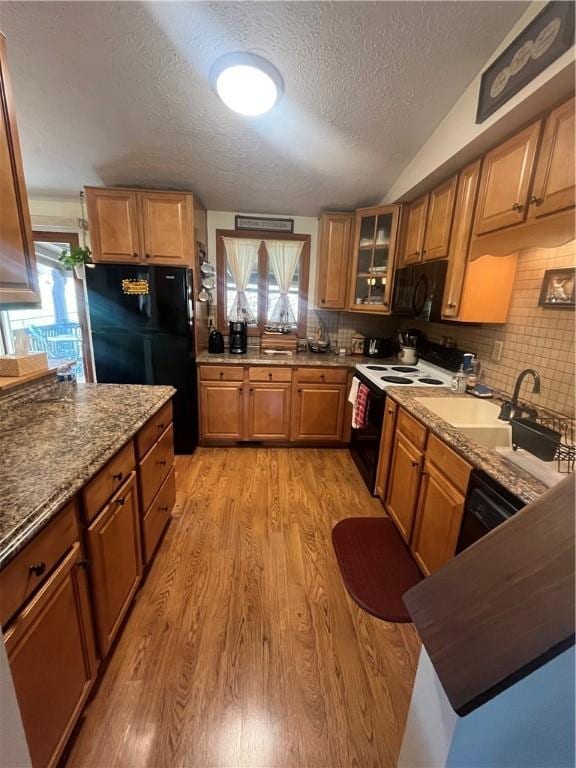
[168,227]
[414,228]
[460,241]
[334,249]
[143,226]
[505,183]
[50,647]
[439,220]
[113,216]
[554,182]
[373,259]
[18,271]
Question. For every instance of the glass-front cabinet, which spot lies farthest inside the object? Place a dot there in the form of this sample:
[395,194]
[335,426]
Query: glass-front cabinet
[373,259]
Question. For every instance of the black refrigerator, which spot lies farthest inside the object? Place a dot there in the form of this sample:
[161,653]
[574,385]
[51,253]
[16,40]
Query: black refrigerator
[143,333]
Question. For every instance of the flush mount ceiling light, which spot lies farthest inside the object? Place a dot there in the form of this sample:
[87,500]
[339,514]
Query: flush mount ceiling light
[246,83]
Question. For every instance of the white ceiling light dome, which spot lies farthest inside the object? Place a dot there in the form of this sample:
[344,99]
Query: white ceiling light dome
[246,83]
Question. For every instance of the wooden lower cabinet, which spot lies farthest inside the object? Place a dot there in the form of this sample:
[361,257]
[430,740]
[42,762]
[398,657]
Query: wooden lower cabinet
[403,485]
[318,412]
[221,410]
[50,647]
[268,412]
[114,554]
[157,517]
[386,444]
[438,520]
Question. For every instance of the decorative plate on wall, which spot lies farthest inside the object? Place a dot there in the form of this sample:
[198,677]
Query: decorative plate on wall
[536,47]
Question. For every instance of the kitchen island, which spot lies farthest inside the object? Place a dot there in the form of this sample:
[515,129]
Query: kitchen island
[87,484]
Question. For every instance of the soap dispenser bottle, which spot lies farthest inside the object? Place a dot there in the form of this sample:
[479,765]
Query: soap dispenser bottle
[459,381]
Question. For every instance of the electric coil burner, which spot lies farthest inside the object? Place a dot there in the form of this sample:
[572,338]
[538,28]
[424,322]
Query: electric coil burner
[404,369]
[421,375]
[434,382]
[396,380]
[377,367]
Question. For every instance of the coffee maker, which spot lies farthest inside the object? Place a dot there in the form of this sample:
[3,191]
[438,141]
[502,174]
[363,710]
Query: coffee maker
[238,337]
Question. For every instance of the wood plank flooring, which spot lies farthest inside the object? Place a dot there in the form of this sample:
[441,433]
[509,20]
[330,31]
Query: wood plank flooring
[243,647]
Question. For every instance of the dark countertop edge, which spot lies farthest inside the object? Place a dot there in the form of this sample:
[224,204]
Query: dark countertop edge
[29,528]
[452,437]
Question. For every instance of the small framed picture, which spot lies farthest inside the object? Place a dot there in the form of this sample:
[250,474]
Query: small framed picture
[558,288]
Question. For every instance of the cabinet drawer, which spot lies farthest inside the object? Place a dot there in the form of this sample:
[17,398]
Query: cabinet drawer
[17,580]
[155,467]
[411,429]
[222,372]
[322,375]
[97,492]
[270,374]
[158,516]
[449,463]
[152,430]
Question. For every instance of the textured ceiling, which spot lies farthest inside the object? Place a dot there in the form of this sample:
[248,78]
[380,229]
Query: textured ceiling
[118,93]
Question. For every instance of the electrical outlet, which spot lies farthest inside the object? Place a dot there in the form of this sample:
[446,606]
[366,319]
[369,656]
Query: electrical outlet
[497,351]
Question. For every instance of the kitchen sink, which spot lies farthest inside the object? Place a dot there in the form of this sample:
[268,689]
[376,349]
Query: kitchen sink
[477,419]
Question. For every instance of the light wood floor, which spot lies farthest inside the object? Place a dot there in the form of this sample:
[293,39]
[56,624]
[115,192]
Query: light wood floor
[243,648]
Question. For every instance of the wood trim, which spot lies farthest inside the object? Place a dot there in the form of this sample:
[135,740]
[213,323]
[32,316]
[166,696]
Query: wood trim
[505,605]
[303,282]
[29,292]
[79,289]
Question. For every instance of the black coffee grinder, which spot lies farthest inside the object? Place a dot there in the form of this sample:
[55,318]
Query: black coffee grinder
[238,337]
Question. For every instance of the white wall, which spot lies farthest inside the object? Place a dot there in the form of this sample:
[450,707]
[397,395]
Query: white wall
[303,225]
[458,140]
[13,748]
[531,724]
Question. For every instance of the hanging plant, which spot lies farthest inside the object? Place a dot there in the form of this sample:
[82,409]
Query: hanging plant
[74,257]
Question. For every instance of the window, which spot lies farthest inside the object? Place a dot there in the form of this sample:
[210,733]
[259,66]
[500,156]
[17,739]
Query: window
[264,281]
[59,326]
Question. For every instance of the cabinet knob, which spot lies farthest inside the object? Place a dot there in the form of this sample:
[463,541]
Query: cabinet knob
[390,411]
[323,301]
[417,253]
[385,303]
[221,374]
[147,255]
[424,252]
[160,427]
[37,568]
[415,463]
[451,305]
[163,509]
[118,476]
[82,564]
[134,255]
[535,200]
[162,462]
[322,377]
[517,207]
[121,501]
[269,377]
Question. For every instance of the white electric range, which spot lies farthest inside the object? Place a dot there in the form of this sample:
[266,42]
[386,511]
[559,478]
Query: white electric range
[384,375]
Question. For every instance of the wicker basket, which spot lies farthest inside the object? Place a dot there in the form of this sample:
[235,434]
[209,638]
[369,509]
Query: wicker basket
[21,365]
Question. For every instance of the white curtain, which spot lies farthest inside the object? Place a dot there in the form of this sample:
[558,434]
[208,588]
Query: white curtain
[284,257]
[242,257]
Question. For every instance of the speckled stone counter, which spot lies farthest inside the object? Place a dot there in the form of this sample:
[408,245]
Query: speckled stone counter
[255,357]
[516,480]
[50,447]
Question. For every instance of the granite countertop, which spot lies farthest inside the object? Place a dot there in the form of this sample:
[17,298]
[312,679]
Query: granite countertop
[49,448]
[255,357]
[519,482]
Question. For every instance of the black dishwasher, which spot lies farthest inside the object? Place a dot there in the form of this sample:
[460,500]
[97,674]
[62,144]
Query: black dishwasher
[488,505]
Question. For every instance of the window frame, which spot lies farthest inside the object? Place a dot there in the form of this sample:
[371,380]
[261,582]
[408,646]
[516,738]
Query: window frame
[263,269]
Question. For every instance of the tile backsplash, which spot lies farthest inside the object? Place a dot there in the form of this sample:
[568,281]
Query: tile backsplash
[534,337]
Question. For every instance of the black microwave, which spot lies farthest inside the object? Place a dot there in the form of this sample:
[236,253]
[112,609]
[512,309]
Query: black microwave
[419,290]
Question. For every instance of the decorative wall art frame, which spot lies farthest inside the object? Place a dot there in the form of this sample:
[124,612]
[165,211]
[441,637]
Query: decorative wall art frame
[265,224]
[547,37]
[558,288]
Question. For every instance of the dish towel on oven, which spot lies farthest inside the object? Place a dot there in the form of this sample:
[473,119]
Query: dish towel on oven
[360,398]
